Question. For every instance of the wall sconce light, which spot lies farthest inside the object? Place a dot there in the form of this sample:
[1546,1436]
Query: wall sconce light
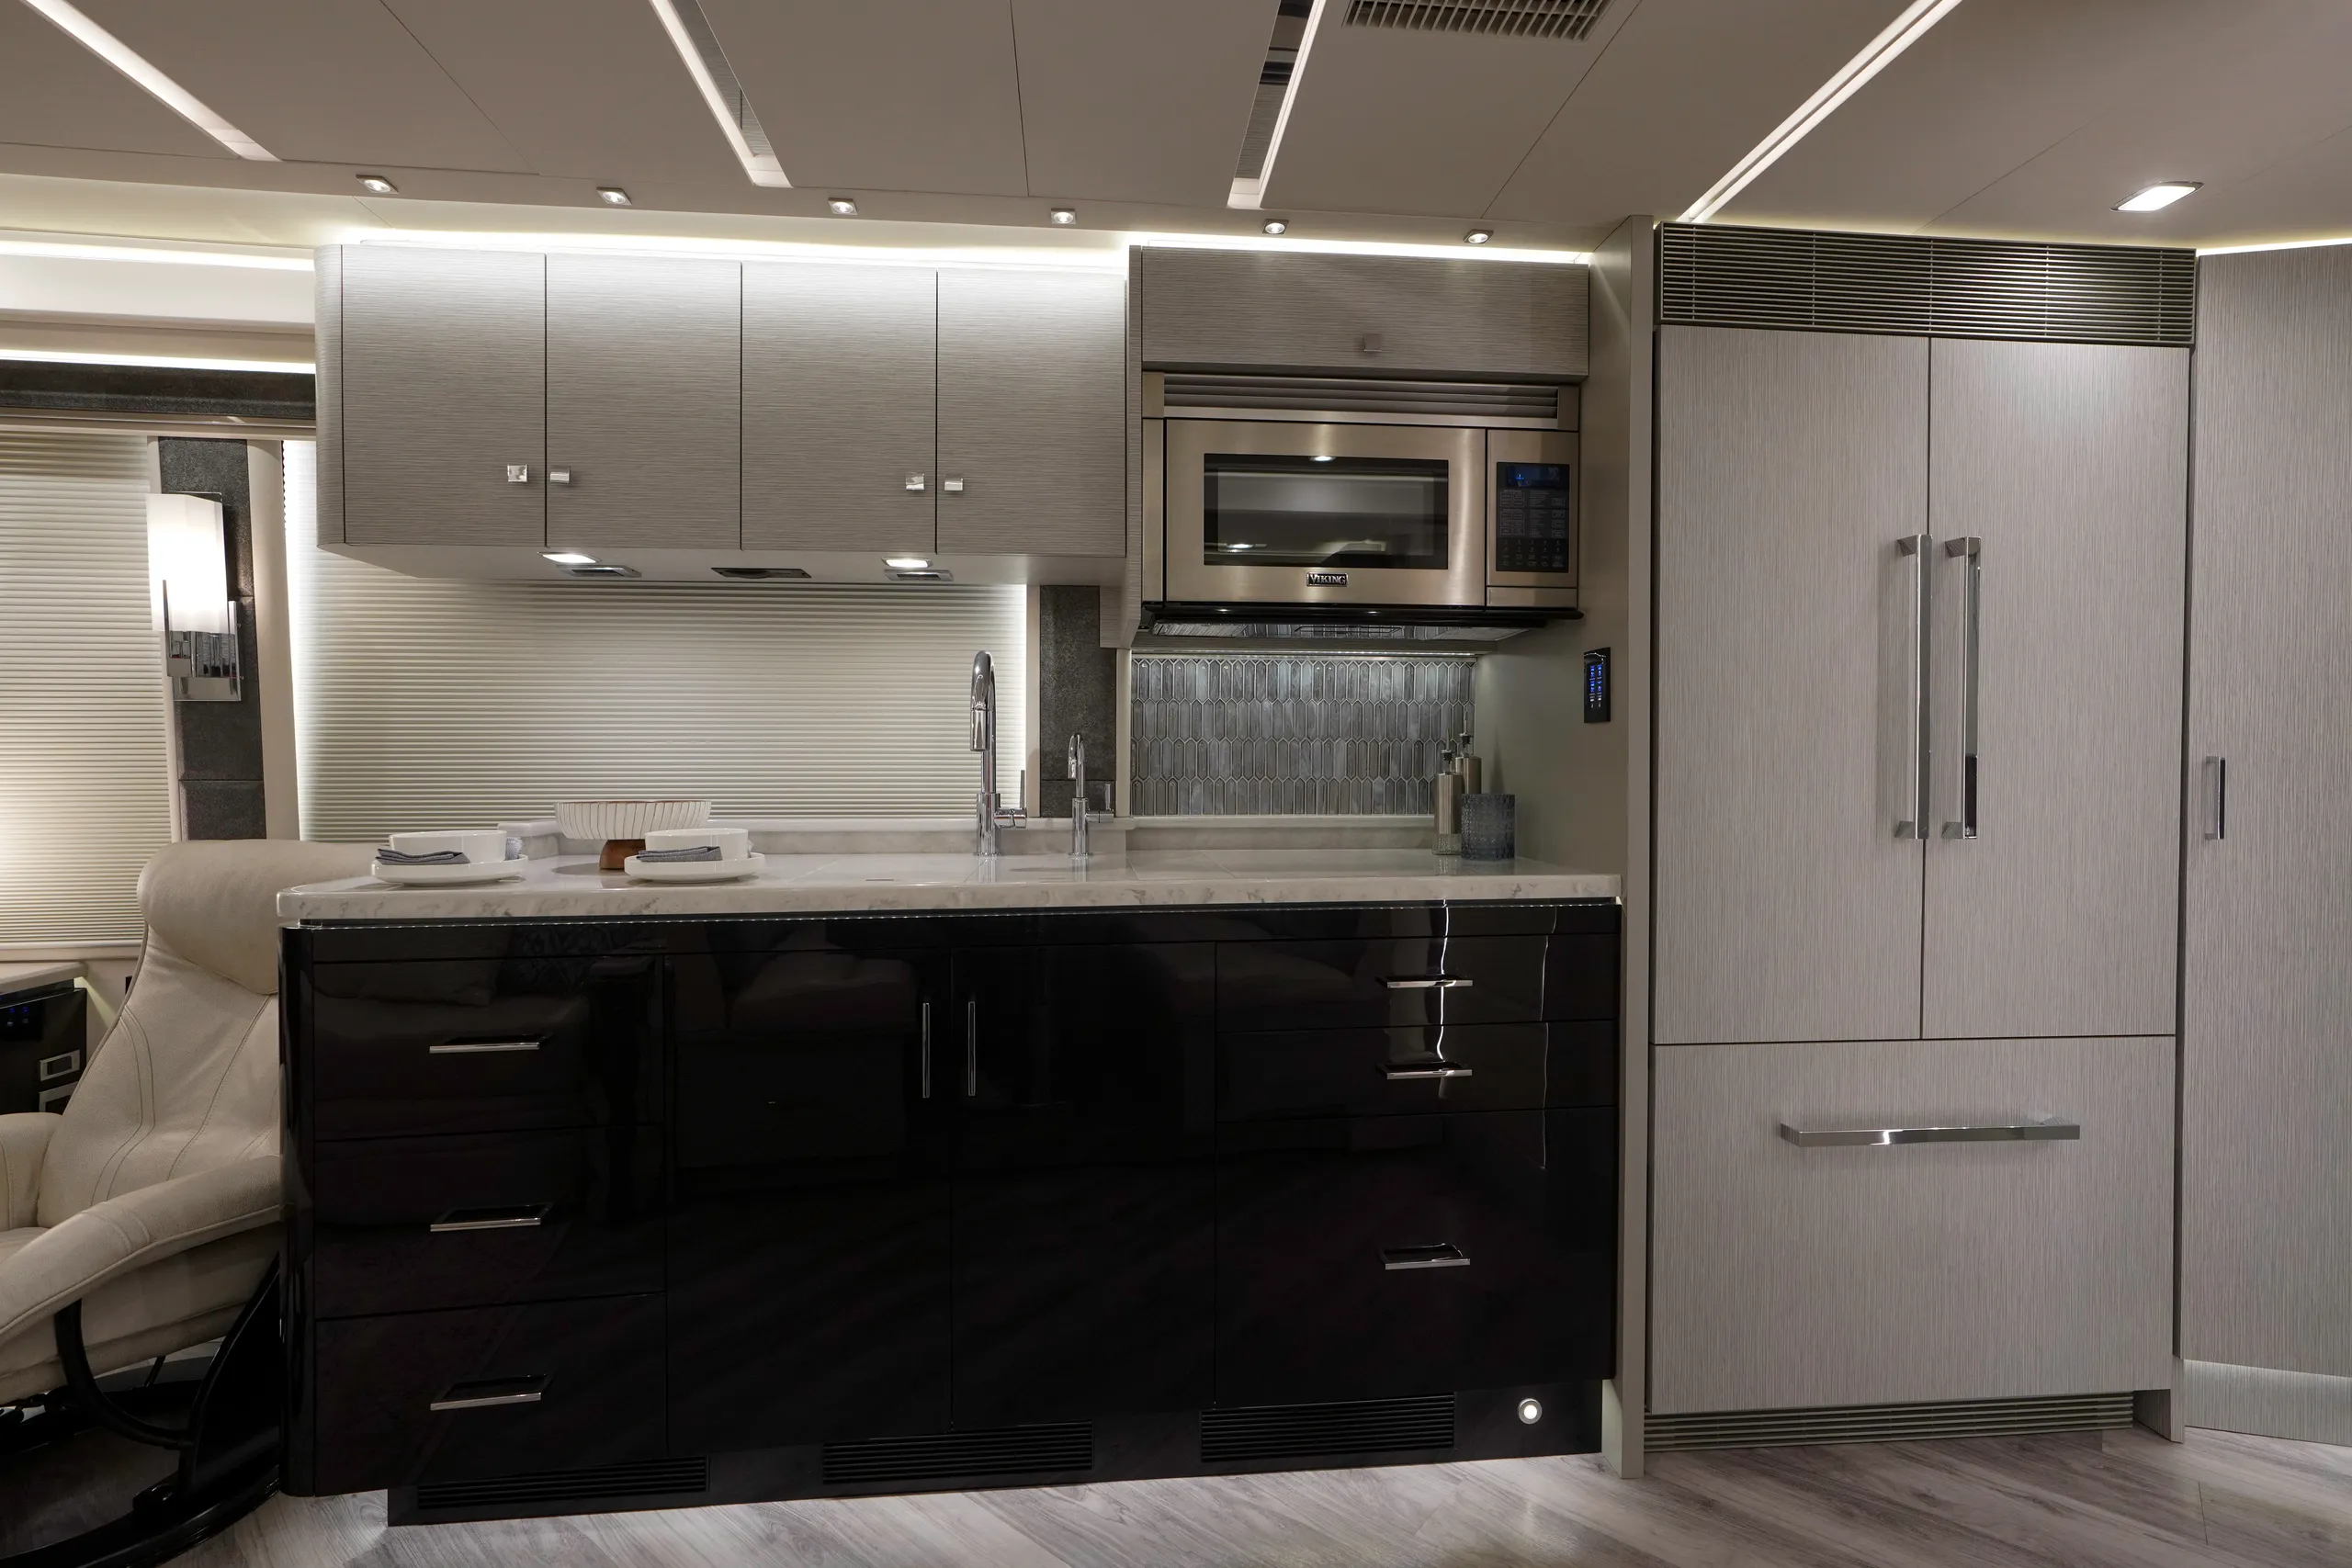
[188,559]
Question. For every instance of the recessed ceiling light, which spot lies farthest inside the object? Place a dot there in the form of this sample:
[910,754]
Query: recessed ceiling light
[568,557]
[840,206]
[378,184]
[905,563]
[697,46]
[129,61]
[2156,198]
[1477,236]
[1277,226]
[612,195]
[1064,216]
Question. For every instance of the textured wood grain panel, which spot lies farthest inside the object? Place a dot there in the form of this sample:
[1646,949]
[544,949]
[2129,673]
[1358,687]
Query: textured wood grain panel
[644,401]
[2071,463]
[444,384]
[1263,309]
[1033,412]
[841,373]
[1785,1276]
[328,323]
[1787,464]
[2267,1016]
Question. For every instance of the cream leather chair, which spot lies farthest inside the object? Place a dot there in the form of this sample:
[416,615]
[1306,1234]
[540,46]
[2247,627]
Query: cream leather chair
[154,1200]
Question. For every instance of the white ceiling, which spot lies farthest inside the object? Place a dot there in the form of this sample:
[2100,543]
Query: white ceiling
[2011,117]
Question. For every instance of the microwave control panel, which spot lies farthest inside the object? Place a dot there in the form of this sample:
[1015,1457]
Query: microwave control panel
[1532,525]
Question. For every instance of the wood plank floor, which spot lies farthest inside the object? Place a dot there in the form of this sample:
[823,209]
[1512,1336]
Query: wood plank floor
[2077,1500]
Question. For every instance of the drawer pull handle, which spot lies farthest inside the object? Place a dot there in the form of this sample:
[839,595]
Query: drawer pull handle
[1444,1255]
[1886,1137]
[480,1047]
[1394,1071]
[523,1216]
[491,1394]
[1429,982]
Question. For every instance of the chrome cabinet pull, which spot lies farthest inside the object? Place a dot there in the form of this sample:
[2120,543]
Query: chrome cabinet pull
[1396,1071]
[520,1217]
[491,1392]
[1429,982]
[971,1046]
[926,1050]
[1444,1255]
[1915,791]
[558,476]
[518,473]
[2217,798]
[480,1047]
[1972,672]
[1887,1137]
[952,486]
[917,482]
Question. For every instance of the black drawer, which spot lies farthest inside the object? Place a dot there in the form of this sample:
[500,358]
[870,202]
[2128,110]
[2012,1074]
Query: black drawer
[480,1046]
[1401,981]
[406,1225]
[1387,1072]
[1384,1257]
[560,1385]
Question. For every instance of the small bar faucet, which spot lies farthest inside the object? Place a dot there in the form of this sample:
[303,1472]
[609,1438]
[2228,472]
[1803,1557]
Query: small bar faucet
[989,808]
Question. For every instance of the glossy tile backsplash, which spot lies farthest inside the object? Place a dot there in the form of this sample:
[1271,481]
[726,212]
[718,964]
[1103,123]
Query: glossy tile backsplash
[1247,734]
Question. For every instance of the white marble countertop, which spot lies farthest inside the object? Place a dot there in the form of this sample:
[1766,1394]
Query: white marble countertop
[569,886]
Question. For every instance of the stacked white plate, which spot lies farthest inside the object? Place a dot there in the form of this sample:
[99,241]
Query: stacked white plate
[485,853]
[735,857]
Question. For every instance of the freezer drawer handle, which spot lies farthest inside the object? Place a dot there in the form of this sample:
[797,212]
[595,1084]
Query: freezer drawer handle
[1887,1137]
[1972,674]
[514,1217]
[480,1047]
[1444,1255]
[1393,1071]
[1429,982]
[491,1392]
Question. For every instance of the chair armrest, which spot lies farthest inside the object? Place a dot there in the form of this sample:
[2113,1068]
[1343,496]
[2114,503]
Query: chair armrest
[24,1139]
[124,1233]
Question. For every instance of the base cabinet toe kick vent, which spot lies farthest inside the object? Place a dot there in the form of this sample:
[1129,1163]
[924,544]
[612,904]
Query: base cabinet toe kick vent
[1176,1192]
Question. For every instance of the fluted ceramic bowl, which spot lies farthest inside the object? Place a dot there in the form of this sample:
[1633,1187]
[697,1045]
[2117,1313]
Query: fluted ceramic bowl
[621,825]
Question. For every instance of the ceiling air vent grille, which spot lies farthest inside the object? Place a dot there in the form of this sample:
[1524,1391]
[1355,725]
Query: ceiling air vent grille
[1517,18]
[1889,1423]
[1298,1432]
[1469,400]
[1720,275]
[1066,1448]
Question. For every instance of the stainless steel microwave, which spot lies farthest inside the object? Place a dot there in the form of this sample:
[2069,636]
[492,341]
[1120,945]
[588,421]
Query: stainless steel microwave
[1326,516]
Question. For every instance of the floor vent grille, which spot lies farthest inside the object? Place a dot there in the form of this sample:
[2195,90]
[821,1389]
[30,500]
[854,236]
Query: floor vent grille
[654,1478]
[1468,400]
[1298,1432]
[1012,1450]
[1888,1423]
[1569,19]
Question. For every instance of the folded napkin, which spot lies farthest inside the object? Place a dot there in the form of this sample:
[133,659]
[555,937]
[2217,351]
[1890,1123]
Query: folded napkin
[700,851]
[438,857]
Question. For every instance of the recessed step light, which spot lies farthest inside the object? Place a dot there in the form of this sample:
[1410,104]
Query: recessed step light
[840,206]
[378,184]
[612,195]
[2156,198]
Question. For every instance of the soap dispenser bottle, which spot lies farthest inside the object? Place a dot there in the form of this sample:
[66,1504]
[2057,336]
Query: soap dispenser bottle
[1447,791]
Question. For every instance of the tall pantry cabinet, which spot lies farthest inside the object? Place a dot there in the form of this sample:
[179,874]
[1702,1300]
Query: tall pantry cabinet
[1918,721]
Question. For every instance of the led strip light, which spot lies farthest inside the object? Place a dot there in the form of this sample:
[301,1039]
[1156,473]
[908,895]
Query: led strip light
[132,63]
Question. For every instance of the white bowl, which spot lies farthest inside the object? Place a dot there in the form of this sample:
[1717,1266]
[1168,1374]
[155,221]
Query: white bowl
[481,847]
[605,819]
[734,843]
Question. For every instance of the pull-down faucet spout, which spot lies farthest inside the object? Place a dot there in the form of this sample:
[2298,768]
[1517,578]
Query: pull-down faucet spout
[989,812]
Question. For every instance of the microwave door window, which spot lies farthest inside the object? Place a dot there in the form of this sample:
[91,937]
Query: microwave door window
[1357,513]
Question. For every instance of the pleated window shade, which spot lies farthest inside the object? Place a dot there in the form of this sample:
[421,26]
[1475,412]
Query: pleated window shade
[427,702]
[86,772]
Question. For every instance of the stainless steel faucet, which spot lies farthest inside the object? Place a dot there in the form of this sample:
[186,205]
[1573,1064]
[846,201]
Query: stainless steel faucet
[1081,846]
[989,808]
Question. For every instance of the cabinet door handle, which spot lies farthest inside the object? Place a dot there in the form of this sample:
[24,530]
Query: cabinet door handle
[1429,982]
[480,1047]
[518,473]
[558,476]
[1394,1071]
[918,481]
[926,1050]
[491,1392]
[1914,738]
[1444,1255]
[2217,798]
[1887,1137]
[971,1046]
[1971,677]
[516,1217]
[952,486]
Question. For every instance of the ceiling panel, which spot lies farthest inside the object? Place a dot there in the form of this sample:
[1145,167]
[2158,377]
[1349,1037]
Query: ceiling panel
[326,81]
[882,95]
[1138,100]
[1682,93]
[595,94]
[54,92]
[1387,120]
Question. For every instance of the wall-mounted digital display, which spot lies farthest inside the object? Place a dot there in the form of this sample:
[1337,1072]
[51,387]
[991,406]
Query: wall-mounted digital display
[1532,527]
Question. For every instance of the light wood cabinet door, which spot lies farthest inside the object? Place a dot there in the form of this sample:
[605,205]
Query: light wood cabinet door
[2068,464]
[644,409]
[1789,1276]
[444,382]
[1789,466]
[841,374]
[1031,412]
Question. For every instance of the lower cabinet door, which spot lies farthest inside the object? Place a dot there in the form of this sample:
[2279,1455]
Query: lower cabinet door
[1792,1273]
[1381,1257]
[497,1391]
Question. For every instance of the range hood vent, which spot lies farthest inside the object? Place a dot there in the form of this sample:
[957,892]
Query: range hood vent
[1570,19]
[1471,402]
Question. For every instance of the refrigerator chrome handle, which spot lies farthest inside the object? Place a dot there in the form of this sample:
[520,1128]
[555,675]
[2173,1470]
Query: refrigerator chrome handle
[1971,674]
[2217,798]
[1915,788]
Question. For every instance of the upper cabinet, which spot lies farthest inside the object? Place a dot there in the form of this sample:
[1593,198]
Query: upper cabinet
[1211,310]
